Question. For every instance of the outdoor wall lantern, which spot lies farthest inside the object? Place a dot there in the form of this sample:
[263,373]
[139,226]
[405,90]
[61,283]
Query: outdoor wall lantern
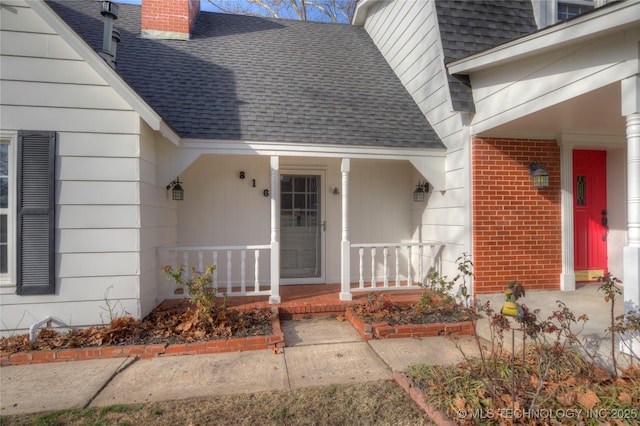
[177,193]
[421,190]
[539,175]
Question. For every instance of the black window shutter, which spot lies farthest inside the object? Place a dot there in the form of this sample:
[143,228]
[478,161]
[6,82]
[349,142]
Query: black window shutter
[35,201]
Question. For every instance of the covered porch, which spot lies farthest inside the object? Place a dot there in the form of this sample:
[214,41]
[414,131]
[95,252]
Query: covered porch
[269,222]
[574,92]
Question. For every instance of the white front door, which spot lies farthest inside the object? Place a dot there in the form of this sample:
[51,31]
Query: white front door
[301,228]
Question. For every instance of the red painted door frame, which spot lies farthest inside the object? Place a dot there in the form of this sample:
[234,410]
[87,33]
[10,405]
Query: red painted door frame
[590,214]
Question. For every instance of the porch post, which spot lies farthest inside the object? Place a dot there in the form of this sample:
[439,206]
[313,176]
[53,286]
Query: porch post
[275,232]
[631,253]
[345,247]
[568,275]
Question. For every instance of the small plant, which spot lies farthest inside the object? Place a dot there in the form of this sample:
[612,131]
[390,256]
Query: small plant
[627,325]
[465,269]
[110,308]
[198,284]
[609,285]
[436,290]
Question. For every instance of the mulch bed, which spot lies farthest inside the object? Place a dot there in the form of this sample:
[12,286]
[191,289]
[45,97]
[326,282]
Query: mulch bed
[175,329]
[381,318]
[411,314]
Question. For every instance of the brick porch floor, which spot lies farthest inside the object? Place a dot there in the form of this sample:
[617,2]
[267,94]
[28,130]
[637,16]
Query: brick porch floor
[310,300]
[318,299]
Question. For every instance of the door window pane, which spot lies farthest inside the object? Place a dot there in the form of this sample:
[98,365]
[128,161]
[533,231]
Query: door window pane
[4,267]
[581,190]
[4,176]
[299,184]
[4,208]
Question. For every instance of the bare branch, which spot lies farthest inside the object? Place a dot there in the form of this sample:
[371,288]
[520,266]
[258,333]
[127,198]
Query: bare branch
[266,6]
[330,13]
[335,10]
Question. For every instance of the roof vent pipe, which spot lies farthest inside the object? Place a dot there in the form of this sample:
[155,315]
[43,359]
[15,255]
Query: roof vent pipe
[110,37]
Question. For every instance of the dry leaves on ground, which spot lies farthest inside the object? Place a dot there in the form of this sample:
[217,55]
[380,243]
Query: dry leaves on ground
[176,325]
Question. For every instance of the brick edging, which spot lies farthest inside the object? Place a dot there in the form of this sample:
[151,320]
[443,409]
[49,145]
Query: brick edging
[383,330]
[437,416]
[274,341]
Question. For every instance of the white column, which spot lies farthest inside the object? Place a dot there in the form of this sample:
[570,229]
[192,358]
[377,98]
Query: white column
[568,275]
[631,253]
[345,247]
[275,231]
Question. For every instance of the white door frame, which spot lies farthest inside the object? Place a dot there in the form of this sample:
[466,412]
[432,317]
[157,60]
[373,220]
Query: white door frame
[309,171]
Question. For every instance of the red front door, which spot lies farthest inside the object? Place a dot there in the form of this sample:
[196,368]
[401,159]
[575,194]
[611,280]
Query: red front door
[590,214]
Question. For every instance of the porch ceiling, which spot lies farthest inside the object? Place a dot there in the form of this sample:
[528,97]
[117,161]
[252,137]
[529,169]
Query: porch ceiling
[593,114]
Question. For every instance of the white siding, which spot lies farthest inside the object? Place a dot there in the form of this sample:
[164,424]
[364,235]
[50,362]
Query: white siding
[159,218]
[46,86]
[549,79]
[407,35]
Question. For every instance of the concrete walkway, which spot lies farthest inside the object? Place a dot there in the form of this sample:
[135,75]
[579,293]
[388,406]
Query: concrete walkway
[586,299]
[320,351]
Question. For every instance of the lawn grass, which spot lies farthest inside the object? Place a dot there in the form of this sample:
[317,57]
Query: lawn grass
[370,403]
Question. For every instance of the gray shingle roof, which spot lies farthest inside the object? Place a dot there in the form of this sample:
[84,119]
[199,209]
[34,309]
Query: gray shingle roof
[471,26]
[251,78]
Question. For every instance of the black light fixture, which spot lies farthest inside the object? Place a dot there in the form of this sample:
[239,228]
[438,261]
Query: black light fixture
[177,193]
[539,175]
[421,190]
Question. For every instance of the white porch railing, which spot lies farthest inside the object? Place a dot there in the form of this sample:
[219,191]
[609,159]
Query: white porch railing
[240,270]
[394,266]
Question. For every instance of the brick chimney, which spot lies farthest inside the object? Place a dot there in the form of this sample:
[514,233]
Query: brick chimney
[168,19]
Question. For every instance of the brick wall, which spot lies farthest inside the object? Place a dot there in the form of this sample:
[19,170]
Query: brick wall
[516,228]
[175,16]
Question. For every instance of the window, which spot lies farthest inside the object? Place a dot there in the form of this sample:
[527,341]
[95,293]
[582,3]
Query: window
[569,10]
[7,210]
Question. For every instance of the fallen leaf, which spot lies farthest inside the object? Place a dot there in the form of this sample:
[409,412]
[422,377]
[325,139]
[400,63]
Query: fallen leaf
[588,399]
[600,374]
[625,397]
[534,381]
[341,318]
[566,399]
[459,402]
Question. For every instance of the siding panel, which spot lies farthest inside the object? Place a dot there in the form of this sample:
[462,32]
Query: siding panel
[98,169]
[97,240]
[98,193]
[97,216]
[61,95]
[97,264]
[35,45]
[65,119]
[25,20]
[48,70]
[98,145]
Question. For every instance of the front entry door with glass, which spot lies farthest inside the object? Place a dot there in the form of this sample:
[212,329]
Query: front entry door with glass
[590,214]
[300,227]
